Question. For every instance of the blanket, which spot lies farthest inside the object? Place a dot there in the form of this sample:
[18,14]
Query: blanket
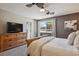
[36,46]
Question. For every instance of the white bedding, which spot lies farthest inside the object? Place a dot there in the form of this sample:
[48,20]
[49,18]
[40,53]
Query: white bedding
[50,46]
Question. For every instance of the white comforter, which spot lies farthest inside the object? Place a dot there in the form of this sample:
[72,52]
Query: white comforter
[50,46]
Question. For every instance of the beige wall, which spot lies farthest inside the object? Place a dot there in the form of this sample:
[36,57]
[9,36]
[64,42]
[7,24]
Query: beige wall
[6,16]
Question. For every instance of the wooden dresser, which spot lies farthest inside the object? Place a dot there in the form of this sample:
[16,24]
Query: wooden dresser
[11,40]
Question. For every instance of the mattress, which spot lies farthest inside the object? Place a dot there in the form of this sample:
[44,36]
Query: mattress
[51,46]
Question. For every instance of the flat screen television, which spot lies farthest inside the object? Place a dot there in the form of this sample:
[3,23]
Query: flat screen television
[14,27]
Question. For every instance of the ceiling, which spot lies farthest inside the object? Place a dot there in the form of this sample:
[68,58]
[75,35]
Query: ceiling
[34,12]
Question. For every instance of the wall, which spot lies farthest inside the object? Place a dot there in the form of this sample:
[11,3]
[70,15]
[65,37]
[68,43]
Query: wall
[6,16]
[60,24]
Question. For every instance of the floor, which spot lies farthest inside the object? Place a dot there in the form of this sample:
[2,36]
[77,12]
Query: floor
[18,51]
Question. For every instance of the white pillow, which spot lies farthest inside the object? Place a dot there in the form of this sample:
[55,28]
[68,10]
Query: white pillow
[76,42]
[71,38]
[77,32]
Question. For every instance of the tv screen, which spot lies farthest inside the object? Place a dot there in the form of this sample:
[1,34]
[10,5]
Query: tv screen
[14,27]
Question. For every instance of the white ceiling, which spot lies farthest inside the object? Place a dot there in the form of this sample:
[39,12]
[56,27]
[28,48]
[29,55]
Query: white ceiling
[34,12]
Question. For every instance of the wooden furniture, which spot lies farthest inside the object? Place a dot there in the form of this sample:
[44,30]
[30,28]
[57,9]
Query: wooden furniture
[29,41]
[11,40]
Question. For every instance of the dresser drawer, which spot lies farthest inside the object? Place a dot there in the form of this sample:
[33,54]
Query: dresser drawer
[21,42]
[8,44]
[4,46]
[11,39]
[12,44]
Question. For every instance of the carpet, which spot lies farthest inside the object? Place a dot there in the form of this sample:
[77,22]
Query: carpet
[18,51]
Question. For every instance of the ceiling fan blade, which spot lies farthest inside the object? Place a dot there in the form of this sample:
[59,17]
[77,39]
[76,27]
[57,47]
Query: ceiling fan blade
[40,5]
[52,13]
[29,5]
[48,13]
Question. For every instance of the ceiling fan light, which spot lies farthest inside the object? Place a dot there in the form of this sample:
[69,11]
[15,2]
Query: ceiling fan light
[42,10]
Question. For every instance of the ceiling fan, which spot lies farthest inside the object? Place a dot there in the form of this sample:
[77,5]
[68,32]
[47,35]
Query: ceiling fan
[41,6]
[49,13]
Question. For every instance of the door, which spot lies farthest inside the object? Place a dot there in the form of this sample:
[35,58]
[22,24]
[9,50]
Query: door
[29,29]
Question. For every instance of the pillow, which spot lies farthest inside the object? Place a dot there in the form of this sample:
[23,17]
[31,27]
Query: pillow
[77,32]
[71,38]
[76,42]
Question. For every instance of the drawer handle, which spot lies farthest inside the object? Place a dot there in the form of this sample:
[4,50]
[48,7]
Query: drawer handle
[10,40]
[10,45]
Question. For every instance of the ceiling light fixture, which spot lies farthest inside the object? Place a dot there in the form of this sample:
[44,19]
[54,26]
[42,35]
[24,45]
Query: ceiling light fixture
[42,10]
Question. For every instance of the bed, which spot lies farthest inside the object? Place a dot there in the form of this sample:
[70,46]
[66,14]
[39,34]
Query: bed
[51,46]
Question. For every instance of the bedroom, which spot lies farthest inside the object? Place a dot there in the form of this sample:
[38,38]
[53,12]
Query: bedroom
[56,26]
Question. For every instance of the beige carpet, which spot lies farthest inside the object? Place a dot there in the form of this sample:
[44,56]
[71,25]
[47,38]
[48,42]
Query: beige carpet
[18,51]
